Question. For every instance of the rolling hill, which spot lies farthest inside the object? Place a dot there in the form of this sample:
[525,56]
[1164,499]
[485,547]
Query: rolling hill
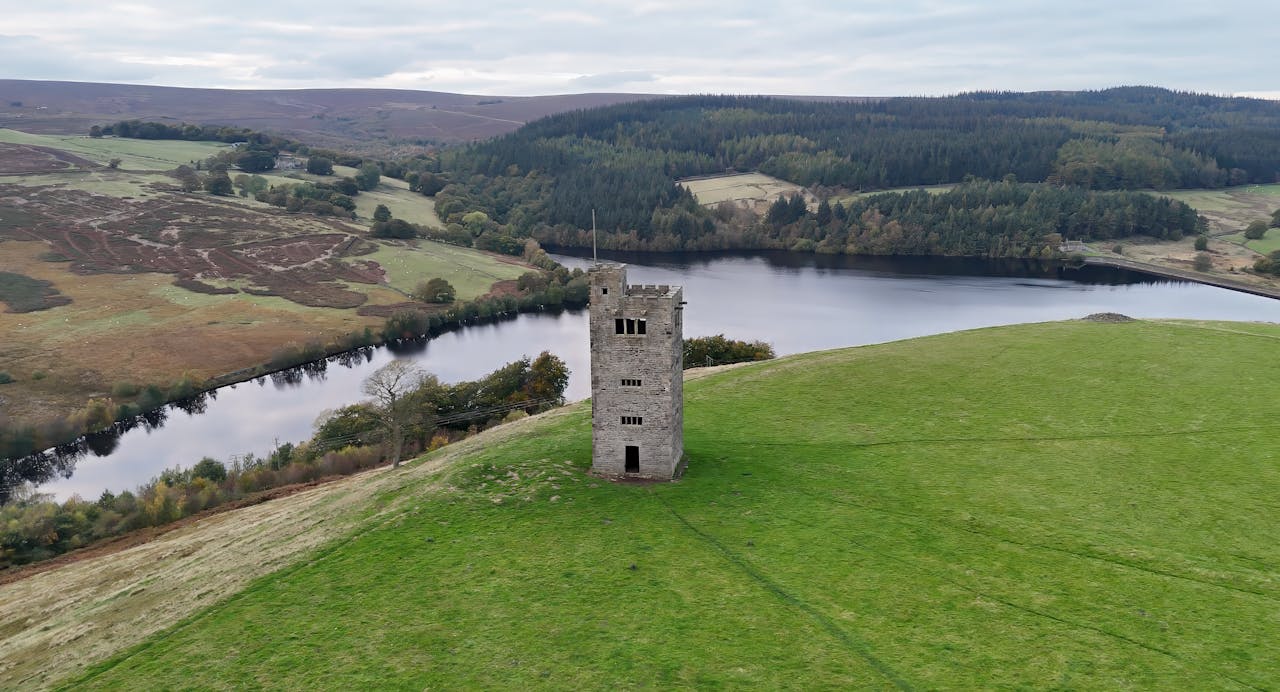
[1072,504]
[330,117]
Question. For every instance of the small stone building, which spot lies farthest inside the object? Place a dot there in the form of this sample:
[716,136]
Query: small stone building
[637,377]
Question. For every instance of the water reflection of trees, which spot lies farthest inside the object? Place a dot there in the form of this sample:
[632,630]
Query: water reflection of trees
[61,461]
[36,468]
[317,370]
[792,263]
[355,357]
[47,465]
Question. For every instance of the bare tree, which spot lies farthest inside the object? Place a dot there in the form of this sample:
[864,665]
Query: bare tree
[388,387]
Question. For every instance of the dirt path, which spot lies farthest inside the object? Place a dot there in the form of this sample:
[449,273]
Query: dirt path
[55,623]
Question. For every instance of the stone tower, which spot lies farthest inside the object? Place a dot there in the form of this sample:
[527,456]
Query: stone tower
[637,378]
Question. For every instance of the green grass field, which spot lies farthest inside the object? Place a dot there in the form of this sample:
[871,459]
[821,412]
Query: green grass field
[1267,244]
[472,273]
[134,154]
[1066,505]
[1231,208]
[403,203]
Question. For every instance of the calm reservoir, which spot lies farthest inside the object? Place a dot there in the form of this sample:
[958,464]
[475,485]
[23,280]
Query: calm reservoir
[796,302]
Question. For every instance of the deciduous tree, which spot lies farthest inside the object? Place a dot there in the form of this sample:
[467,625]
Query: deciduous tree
[395,228]
[187,178]
[256,160]
[1255,230]
[436,290]
[319,165]
[217,182]
[388,386]
[367,176]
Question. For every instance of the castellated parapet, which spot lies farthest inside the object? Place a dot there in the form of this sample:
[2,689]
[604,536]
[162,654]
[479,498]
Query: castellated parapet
[637,377]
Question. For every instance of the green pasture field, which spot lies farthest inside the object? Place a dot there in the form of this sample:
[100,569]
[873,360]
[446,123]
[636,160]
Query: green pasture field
[410,206]
[394,193]
[470,272]
[1058,505]
[165,155]
[1230,209]
[134,154]
[1267,244]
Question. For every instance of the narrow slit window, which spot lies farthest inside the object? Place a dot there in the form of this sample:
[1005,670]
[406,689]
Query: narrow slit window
[631,326]
[617,326]
[640,326]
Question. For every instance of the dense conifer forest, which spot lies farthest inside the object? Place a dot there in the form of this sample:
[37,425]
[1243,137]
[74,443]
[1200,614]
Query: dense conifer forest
[623,161]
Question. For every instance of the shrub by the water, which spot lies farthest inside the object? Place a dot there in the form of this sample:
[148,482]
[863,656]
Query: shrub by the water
[718,350]
[34,528]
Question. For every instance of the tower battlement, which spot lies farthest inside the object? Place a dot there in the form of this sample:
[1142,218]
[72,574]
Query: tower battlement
[637,376]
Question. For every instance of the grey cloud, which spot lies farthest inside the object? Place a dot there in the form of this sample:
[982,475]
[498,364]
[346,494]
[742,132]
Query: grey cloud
[609,80]
[813,46]
[29,57]
[344,65]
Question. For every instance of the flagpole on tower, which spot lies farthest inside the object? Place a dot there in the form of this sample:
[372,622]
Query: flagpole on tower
[594,259]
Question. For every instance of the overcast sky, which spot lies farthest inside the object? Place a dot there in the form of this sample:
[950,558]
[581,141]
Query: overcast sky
[888,47]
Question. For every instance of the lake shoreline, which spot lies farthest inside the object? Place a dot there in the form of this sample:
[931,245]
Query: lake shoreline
[812,302]
[1178,274]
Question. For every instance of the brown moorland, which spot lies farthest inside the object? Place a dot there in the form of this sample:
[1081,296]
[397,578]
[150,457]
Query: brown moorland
[141,283]
[331,117]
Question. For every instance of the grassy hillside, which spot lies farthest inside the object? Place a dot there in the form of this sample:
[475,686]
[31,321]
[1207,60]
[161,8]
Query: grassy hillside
[1266,245]
[1054,505]
[139,154]
[1231,208]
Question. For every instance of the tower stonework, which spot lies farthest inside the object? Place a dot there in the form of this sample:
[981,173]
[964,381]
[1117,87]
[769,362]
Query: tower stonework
[637,377]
